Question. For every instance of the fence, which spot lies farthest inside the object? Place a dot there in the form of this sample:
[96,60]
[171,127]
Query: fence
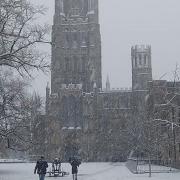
[140,166]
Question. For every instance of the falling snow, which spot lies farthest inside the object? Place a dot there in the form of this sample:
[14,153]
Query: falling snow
[87,171]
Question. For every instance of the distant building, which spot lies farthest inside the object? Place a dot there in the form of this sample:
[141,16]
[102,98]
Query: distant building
[81,118]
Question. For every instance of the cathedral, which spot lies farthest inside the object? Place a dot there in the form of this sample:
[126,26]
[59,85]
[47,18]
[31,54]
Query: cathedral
[82,118]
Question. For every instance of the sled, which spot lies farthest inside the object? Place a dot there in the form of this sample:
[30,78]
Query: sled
[57,171]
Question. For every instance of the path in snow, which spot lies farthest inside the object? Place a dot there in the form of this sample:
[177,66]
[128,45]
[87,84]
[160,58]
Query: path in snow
[87,171]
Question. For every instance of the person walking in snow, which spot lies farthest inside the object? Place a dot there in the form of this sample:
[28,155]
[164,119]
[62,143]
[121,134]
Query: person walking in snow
[75,164]
[41,167]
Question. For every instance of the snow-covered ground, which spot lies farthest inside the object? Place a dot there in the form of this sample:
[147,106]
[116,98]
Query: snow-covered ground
[12,161]
[87,171]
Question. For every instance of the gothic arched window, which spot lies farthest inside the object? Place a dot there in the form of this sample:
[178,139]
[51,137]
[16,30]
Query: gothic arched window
[67,40]
[67,4]
[75,3]
[62,6]
[72,110]
[140,59]
[135,61]
[145,60]
[83,64]
[83,39]
[75,40]
[76,8]
[75,64]
[91,5]
[65,109]
[67,64]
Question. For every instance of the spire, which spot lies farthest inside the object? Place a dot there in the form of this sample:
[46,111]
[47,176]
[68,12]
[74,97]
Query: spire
[108,86]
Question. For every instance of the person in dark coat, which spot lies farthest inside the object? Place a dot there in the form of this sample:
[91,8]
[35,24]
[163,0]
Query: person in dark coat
[75,164]
[41,167]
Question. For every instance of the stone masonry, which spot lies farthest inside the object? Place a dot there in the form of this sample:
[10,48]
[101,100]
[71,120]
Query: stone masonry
[81,118]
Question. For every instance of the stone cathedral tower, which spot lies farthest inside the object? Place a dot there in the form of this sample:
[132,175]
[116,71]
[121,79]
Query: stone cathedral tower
[75,74]
[79,114]
[141,67]
[141,75]
[76,45]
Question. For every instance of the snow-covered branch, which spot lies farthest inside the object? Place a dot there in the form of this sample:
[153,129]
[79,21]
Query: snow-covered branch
[20,35]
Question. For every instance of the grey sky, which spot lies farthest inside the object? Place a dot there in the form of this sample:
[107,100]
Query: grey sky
[128,22]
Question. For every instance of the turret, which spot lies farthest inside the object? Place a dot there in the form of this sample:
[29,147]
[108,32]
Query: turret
[59,11]
[92,13]
[141,67]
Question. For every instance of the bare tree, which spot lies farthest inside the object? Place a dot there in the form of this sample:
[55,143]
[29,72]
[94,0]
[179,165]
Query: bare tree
[20,35]
[165,114]
[37,126]
[15,113]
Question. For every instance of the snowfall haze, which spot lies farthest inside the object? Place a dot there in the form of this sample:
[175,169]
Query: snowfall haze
[126,23]
[87,171]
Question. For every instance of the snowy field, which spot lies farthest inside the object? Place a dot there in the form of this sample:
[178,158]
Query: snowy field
[87,171]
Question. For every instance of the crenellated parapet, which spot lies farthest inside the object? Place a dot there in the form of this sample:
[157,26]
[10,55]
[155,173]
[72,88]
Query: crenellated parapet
[122,89]
[141,66]
[77,21]
[73,9]
[141,48]
[74,87]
